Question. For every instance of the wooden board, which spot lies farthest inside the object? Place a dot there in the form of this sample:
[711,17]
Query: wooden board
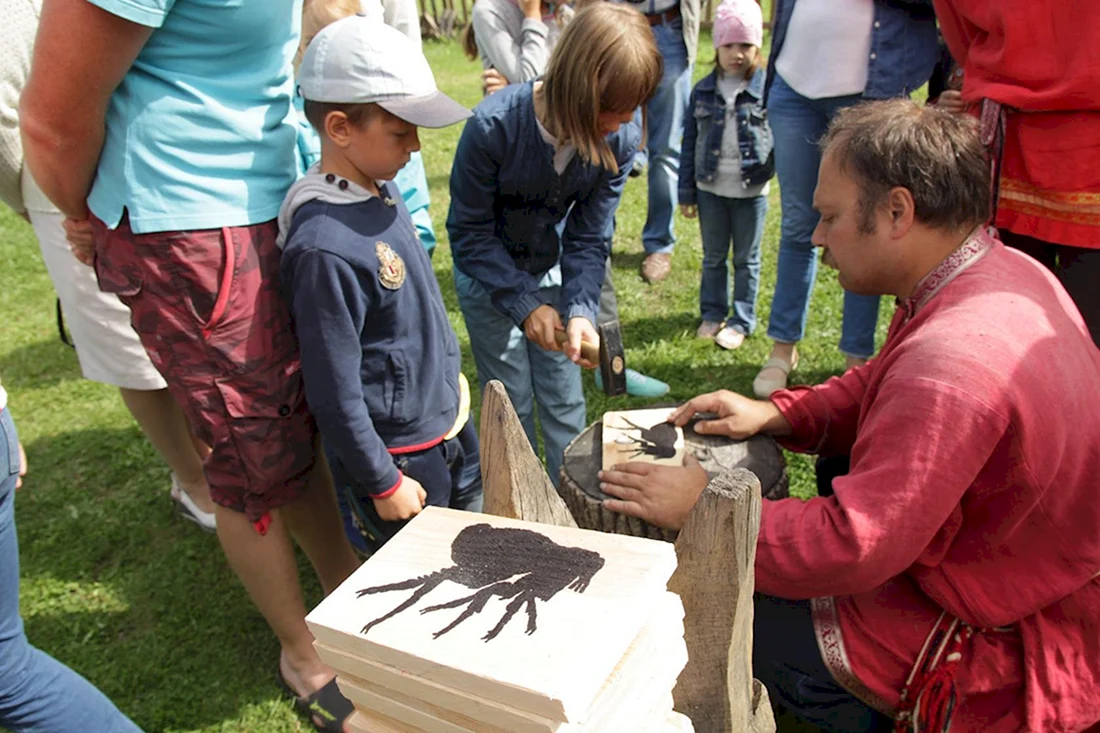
[499,608]
[580,484]
[659,643]
[642,435]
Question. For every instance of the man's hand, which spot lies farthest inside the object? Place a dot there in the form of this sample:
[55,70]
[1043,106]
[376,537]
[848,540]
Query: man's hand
[405,503]
[492,81]
[580,329]
[689,211]
[81,241]
[540,325]
[661,495]
[22,467]
[951,100]
[738,417]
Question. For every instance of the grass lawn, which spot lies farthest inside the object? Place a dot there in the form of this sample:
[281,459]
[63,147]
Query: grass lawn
[143,603]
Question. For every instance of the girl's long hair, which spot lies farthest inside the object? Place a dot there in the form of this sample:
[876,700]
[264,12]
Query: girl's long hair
[605,61]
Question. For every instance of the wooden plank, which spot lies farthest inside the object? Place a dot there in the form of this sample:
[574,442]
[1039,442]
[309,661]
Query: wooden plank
[365,721]
[716,551]
[542,586]
[664,628]
[514,481]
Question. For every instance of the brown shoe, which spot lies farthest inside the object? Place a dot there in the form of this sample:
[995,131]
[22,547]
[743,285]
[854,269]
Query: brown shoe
[656,267]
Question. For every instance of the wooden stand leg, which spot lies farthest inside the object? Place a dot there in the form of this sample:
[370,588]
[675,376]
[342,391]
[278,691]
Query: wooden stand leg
[514,481]
[716,551]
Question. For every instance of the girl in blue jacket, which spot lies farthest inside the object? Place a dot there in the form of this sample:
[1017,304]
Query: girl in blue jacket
[533,155]
[725,163]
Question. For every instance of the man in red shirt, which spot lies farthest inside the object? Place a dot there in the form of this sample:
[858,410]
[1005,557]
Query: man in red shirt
[952,575]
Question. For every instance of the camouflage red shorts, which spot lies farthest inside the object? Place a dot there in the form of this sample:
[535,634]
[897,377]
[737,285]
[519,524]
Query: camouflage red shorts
[207,307]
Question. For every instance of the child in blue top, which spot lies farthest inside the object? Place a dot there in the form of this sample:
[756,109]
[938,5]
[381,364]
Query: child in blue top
[533,155]
[380,360]
[725,163]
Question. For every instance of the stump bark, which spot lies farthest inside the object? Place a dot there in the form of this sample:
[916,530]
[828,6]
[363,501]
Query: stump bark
[580,485]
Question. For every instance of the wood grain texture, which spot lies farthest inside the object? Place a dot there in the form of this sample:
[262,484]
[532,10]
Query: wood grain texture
[536,672]
[514,481]
[716,551]
[580,485]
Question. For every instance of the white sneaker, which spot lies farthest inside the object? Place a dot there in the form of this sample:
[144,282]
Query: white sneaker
[729,338]
[189,510]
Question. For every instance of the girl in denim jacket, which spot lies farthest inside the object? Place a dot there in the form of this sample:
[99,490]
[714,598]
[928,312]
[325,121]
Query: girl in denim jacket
[725,163]
[535,156]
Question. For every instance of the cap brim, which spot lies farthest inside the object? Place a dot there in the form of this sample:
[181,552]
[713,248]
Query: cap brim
[431,110]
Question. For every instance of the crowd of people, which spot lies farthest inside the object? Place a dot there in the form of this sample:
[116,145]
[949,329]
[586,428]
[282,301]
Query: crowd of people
[231,203]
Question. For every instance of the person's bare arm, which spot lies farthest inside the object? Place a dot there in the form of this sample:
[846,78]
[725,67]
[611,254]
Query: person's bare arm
[81,55]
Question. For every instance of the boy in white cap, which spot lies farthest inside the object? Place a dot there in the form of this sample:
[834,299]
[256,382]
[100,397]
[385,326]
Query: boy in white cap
[379,357]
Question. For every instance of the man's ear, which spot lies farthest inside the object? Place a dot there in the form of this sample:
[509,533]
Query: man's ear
[338,128]
[902,210]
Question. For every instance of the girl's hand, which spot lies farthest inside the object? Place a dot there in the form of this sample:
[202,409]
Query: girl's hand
[540,325]
[580,329]
[405,503]
[531,8]
[492,81]
[689,211]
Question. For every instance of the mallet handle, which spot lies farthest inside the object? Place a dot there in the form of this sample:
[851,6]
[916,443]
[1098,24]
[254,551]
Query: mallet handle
[589,350]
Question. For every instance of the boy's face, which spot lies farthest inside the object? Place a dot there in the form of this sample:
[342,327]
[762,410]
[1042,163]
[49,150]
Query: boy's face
[381,146]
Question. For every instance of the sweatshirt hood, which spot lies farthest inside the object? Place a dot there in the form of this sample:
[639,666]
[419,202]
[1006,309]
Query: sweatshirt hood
[314,185]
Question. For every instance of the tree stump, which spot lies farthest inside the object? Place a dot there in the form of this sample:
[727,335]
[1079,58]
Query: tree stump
[580,484]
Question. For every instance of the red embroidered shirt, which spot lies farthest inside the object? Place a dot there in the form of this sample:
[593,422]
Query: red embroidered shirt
[975,446]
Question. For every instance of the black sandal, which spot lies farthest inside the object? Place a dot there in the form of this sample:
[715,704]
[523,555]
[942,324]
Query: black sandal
[328,705]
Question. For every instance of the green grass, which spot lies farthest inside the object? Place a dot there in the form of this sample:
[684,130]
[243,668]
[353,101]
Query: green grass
[142,603]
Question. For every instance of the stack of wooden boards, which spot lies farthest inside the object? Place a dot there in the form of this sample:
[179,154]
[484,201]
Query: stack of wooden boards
[468,622]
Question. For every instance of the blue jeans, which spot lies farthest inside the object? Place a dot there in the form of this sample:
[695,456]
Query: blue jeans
[530,373]
[666,112]
[786,659]
[798,124]
[450,473]
[721,220]
[38,694]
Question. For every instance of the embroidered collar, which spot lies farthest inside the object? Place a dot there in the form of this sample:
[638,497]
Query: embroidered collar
[966,254]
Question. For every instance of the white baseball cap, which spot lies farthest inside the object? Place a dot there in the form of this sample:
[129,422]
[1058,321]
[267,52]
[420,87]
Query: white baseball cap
[360,59]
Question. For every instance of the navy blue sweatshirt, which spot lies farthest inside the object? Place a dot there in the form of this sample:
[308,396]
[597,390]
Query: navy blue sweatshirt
[379,357]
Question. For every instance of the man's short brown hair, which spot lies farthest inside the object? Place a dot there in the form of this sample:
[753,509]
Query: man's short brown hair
[936,155]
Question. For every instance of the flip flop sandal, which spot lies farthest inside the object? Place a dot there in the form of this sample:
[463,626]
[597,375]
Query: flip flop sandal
[327,708]
[189,510]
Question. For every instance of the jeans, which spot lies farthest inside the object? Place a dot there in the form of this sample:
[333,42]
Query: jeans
[529,373]
[666,111]
[38,694]
[797,124]
[721,220]
[450,473]
[786,659]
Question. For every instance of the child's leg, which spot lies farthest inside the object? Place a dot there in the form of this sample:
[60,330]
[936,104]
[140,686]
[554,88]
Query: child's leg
[715,229]
[748,230]
[465,465]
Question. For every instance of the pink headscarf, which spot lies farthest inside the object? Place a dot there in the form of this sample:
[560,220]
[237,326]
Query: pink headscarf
[738,21]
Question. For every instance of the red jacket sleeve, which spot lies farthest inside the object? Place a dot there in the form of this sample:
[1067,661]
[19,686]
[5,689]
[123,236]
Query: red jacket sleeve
[919,448]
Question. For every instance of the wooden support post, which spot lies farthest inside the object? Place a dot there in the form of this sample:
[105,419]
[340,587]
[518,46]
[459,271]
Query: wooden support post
[514,481]
[716,551]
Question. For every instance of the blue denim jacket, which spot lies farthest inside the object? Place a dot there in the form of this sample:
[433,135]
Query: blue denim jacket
[506,199]
[904,46]
[706,121]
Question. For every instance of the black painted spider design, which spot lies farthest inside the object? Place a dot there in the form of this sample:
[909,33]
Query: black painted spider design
[658,441]
[489,559]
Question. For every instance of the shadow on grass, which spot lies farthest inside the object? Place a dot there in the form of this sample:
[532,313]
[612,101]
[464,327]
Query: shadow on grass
[40,364]
[135,598]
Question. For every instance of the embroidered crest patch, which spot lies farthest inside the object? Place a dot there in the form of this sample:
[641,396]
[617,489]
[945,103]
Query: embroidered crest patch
[391,268]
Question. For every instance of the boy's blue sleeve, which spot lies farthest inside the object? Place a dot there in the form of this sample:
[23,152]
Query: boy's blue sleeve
[329,308]
[586,241]
[471,224]
[686,187]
